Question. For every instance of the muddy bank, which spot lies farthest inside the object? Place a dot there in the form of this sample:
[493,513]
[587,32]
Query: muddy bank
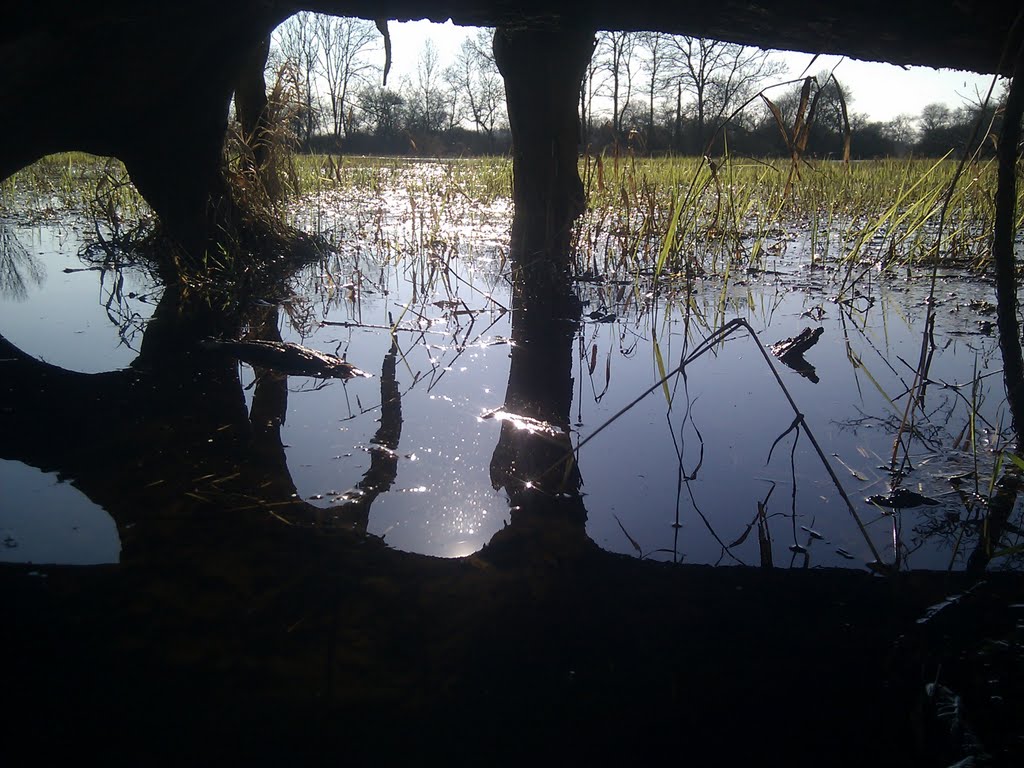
[325,649]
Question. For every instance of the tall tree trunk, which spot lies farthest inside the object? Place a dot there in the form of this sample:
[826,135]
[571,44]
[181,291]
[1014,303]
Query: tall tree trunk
[251,108]
[543,69]
[678,137]
[1002,252]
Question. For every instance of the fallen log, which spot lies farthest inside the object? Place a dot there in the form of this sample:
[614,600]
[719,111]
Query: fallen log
[287,358]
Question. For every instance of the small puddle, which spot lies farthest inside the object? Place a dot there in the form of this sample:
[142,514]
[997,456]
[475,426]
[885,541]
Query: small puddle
[44,520]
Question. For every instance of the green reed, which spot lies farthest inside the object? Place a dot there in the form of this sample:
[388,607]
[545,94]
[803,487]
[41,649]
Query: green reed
[73,183]
[696,216]
[673,218]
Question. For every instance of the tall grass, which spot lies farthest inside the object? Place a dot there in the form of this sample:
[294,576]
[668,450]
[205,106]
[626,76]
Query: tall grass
[686,216]
[669,218]
[73,184]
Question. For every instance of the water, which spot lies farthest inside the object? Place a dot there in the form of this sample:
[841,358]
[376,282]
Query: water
[681,476]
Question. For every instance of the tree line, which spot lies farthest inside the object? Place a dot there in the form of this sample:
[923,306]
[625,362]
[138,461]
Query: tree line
[648,92]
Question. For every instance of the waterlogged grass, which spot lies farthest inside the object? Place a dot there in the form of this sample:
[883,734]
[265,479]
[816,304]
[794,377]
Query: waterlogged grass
[664,217]
[481,180]
[693,216]
[72,184]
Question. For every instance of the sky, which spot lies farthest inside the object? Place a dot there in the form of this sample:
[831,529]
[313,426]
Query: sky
[882,91]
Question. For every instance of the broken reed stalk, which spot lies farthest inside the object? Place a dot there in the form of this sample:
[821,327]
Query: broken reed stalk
[705,346]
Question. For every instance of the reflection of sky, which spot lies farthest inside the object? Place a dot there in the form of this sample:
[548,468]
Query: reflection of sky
[453,367]
[739,411]
[64,319]
[442,502]
[43,520]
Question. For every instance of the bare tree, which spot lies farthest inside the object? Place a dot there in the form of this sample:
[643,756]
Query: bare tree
[343,45]
[588,91]
[383,110]
[935,117]
[426,102]
[655,46]
[614,53]
[718,77]
[900,130]
[475,79]
[297,45]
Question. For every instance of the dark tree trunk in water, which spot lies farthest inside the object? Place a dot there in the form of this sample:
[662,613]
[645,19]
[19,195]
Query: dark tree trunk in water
[179,165]
[543,69]
[1002,502]
[251,103]
[182,179]
[1002,252]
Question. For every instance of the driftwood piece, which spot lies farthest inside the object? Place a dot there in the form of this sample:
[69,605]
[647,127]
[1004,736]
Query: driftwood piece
[791,351]
[901,498]
[288,358]
[796,346]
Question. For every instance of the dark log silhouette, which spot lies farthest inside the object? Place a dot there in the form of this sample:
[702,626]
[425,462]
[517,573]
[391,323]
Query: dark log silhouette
[797,345]
[285,357]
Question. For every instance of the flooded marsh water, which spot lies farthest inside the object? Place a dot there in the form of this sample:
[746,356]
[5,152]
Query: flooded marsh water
[706,468]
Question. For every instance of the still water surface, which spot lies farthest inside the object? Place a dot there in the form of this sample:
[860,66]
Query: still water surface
[680,476]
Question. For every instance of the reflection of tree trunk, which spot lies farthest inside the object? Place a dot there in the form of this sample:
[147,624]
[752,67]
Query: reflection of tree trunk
[269,398]
[539,387]
[537,469]
[384,444]
[163,446]
[997,515]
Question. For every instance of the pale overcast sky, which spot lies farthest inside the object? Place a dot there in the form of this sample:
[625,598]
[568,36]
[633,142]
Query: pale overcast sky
[881,91]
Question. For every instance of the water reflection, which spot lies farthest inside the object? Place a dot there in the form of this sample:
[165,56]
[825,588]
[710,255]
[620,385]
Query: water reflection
[18,268]
[44,519]
[534,461]
[688,474]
